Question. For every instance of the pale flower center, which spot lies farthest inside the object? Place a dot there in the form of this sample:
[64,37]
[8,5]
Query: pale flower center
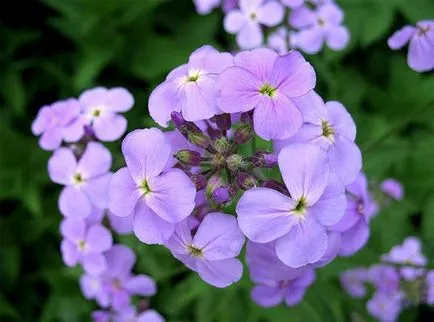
[268,89]
[194,251]
[253,16]
[81,244]
[328,131]
[300,208]
[77,179]
[144,187]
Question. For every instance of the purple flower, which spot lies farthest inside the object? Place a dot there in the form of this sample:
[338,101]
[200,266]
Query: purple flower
[430,288]
[58,121]
[421,48]
[354,226]
[278,40]
[85,245]
[157,199]
[101,107]
[320,26]
[276,282]
[85,180]
[385,278]
[96,216]
[297,223]
[247,20]
[353,281]
[101,316]
[392,188]
[410,252]
[385,307]
[331,127]
[121,225]
[212,250]
[130,314]
[204,7]
[293,4]
[190,88]
[116,286]
[268,83]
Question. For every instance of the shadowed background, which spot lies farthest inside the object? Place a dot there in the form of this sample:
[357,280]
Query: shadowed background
[54,49]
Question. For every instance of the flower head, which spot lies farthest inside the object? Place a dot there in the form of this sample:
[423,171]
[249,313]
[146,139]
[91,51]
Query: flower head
[212,250]
[157,199]
[421,48]
[392,188]
[385,307]
[267,83]
[297,222]
[58,122]
[190,88]
[101,106]
[85,244]
[353,281]
[247,20]
[85,180]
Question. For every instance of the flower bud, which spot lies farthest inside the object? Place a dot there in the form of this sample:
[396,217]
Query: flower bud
[264,159]
[222,145]
[246,119]
[223,195]
[223,122]
[188,157]
[243,134]
[272,184]
[235,163]
[214,182]
[178,120]
[199,181]
[246,181]
[199,139]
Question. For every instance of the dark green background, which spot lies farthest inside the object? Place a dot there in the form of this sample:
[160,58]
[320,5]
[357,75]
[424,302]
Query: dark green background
[54,49]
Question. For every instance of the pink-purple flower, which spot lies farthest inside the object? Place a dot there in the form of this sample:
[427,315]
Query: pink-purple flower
[246,21]
[267,83]
[298,221]
[420,56]
[392,188]
[85,245]
[101,108]
[60,121]
[85,180]
[318,27]
[157,199]
[354,282]
[212,250]
[190,88]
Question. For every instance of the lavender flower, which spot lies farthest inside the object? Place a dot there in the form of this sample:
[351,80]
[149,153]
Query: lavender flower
[278,40]
[101,316]
[275,281]
[331,127]
[323,25]
[58,121]
[354,226]
[190,88]
[101,107]
[157,199]
[268,83]
[430,288]
[420,56]
[385,278]
[85,245]
[385,307]
[204,7]
[393,189]
[121,225]
[212,250]
[297,223]
[246,21]
[85,180]
[130,314]
[353,281]
[410,252]
[116,286]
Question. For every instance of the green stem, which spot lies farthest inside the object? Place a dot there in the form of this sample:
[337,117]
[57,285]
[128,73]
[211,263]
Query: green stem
[397,126]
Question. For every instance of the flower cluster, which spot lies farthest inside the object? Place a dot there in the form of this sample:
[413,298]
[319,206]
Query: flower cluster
[400,280]
[421,47]
[310,24]
[299,203]
[81,164]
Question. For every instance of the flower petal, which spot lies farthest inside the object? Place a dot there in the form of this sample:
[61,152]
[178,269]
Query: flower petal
[120,259]
[337,38]
[74,203]
[97,190]
[354,239]
[263,214]
[220,273]
[119,99]
[70,254]
[61,166]
[305,244]
[94,263]
[270,13]
[250,36]
[99,239]
[259,62]
[163,101]
[401,37]
[146,153]
[267,296]
[51,139]
[234,21]
[341,120]
[95,161]
[109,127]
[345,159]
[73,229]
[141,285]
[123,193]
[310,40]
[421,52]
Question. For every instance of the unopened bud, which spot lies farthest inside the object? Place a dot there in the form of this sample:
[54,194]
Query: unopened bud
[264,159]
[223,122]
[199,181]
[246,181]
[222,145]
[243,134]
[188,157]
[214,182]
[235,163]
[178,120]
[223,194]
[272,184]
[199,139]
[246,118]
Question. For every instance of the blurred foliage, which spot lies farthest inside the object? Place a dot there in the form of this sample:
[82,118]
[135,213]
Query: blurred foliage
[54,49]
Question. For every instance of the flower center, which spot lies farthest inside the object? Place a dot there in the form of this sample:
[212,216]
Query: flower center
[360,208]
[96,112]
[116,283]
[301,207]
[321,22]
[77,179]
[194,251]
[253,16]
[144,187]
[81,245]
[268,90]
[423,30]
[327,130]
